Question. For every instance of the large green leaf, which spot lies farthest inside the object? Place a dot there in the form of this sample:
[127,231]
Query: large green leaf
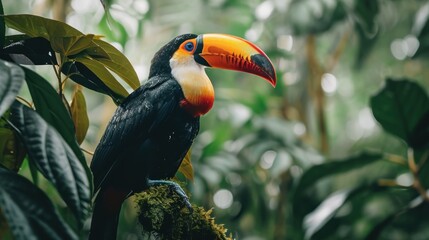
[22,49]
[82,75]
[50,106]
[400,107]
[326,220]
[102,73]
[118,63]
[28,211]
[54,158]
[330,168]
[365,13]
[36,26]
[11,79]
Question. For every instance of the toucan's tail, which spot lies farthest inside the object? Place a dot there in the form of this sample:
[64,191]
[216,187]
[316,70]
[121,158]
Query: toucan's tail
[105,216]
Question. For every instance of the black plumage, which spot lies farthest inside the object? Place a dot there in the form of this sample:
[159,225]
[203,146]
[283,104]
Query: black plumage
[147,138]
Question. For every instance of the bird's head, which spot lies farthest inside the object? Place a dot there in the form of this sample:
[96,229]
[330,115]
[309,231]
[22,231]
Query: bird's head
[186,56]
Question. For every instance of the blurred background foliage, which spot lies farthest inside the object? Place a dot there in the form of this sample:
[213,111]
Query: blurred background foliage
[257,143]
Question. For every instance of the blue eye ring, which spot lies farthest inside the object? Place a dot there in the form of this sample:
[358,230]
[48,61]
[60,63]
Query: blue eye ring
[189,46]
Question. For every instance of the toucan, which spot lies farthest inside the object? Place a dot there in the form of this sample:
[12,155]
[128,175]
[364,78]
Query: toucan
[153,128]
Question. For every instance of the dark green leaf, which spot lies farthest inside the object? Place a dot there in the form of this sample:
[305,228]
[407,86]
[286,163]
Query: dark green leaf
[28,211]
[50,106]
[324,222]
[54,158]
[28,51]
[365,13]
[118,64]
[399,107]
[2,27]
[11,79]
[81,74]
[420,135]
[330,168]
[416,205]
[102,73]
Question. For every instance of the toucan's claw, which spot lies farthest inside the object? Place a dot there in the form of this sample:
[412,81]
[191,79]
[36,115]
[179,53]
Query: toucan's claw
[173,187]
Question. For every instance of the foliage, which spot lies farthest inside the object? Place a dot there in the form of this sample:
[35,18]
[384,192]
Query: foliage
[46,127]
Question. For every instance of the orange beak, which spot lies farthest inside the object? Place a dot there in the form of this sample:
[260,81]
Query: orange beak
[233,53]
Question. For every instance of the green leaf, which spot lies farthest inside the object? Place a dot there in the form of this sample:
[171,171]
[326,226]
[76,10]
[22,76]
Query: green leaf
[186,167]
[102,73]
[54,158]
[36,26]
[118,64]
[79,115]
[113,29]
[11,79]
[51,108]
[49,105]
[326,220]
[29,212]
[2,27]
[29,51]
[365,13]
[82,75]
[399,108]
[330,168]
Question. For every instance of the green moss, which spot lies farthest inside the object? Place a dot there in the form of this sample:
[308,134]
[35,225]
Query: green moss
[164,214]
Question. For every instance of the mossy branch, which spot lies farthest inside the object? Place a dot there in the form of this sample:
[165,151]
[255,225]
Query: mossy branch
[164,215]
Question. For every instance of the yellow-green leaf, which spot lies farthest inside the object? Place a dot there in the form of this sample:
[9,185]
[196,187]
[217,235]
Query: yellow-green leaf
[186,167]
[101,72]
[64,39]
[118,64]
[79,115]
[36,26]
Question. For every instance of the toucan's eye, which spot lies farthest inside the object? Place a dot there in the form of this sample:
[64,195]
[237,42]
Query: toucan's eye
[189,46]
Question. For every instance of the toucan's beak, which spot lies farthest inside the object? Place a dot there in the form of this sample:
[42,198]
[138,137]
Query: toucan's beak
[234,53]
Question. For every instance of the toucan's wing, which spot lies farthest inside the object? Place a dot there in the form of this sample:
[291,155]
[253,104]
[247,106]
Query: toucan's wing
[135,118]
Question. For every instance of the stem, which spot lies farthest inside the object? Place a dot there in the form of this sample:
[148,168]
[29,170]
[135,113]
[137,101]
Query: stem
[87,151]
[316,72]
[396,159]
[58,75]
[335,57]
[415,171]
[29,104]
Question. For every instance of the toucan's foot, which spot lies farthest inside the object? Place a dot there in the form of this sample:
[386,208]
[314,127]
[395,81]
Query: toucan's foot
[174,187]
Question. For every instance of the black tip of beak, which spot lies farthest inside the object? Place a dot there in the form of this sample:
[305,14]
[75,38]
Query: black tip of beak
[266,66]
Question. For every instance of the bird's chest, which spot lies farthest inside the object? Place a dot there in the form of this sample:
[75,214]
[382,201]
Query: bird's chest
[197,90]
